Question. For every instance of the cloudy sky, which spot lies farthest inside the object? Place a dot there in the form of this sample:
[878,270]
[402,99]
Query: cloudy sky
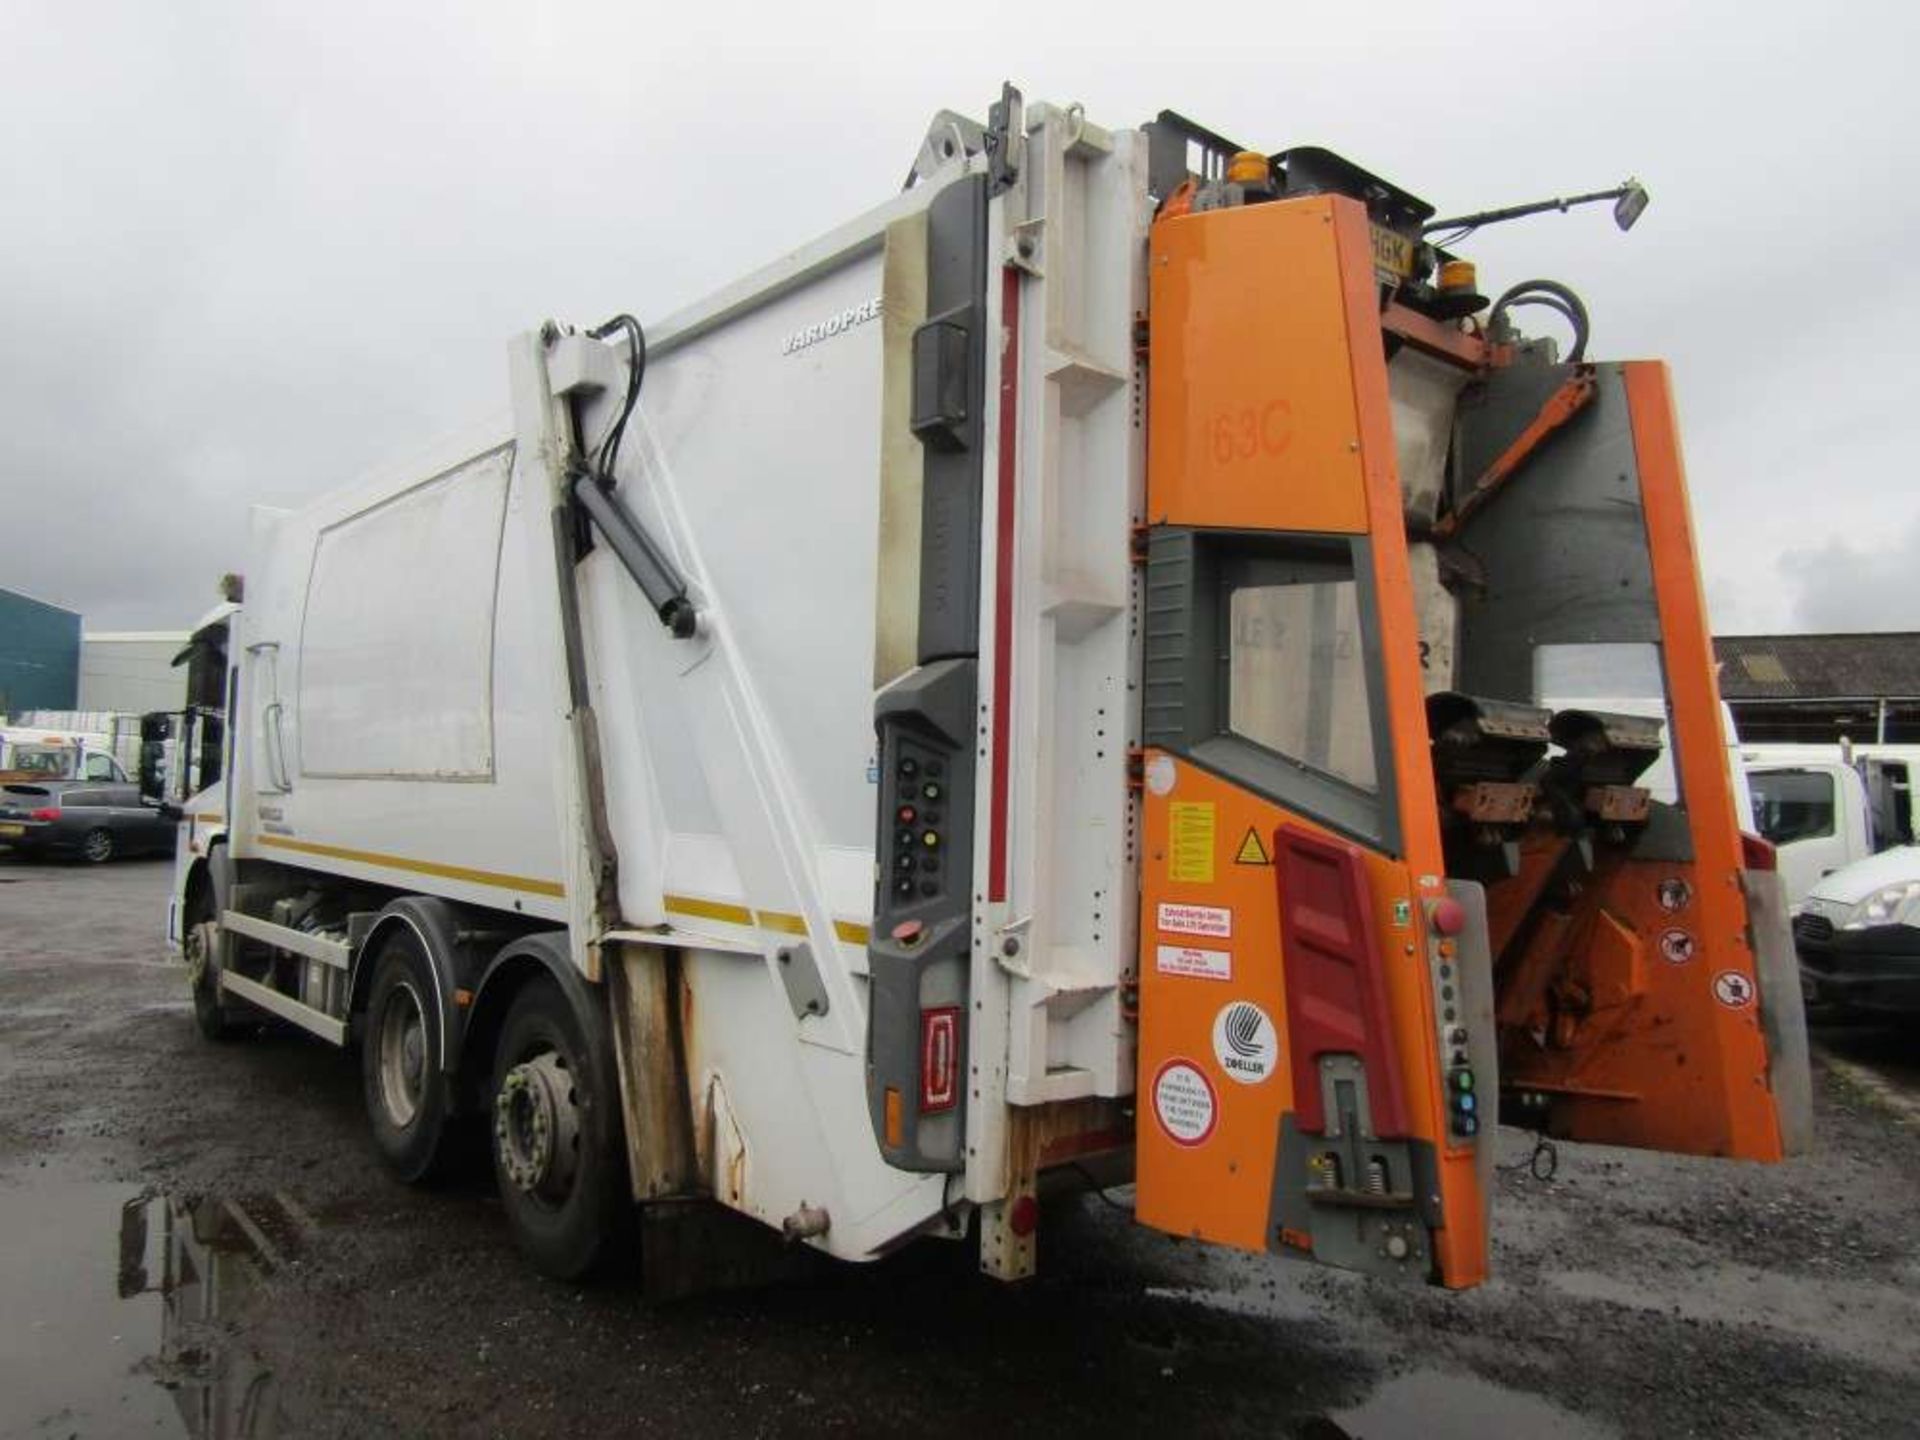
[252,249]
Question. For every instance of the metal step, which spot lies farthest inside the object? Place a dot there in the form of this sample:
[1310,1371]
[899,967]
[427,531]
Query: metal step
[301,942]
[271,1000]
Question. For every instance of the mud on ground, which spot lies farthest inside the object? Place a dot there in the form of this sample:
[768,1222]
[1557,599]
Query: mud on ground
[201,1241]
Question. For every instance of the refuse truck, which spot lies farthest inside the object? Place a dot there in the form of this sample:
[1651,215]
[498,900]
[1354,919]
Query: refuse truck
[1047,682]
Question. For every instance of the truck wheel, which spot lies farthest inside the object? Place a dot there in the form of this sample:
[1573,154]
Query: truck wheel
[209,1014]
[556,1142]
[400,1068]
[97,847]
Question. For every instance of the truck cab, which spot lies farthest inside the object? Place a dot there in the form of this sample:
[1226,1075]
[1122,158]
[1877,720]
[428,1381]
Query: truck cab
[183,765]
[1824,807]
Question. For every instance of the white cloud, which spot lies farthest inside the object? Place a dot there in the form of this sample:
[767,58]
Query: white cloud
[252,250]
[1868,582]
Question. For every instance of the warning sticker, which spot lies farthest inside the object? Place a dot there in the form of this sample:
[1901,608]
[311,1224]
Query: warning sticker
[1676,947]
[1199,964]
[1183,1103]
[1733,990]
[1251,851]
[1210,920]
[1190,847]
[1245,1042]
[1673,893]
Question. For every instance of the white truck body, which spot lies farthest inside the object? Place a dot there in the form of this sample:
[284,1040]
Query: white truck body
[739,766]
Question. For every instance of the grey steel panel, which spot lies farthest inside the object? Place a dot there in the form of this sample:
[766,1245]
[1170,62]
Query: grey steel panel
[1562,550]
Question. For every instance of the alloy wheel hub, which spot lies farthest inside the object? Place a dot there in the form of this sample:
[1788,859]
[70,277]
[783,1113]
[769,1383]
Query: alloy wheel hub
[536,1126]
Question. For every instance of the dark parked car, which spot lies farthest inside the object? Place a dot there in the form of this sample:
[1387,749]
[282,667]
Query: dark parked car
[83,818]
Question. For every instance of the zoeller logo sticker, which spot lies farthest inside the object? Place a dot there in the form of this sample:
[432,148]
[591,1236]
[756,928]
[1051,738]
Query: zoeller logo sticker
[1245,1043]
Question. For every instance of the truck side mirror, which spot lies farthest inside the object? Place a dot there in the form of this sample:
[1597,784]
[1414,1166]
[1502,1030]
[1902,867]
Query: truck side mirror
[153,768]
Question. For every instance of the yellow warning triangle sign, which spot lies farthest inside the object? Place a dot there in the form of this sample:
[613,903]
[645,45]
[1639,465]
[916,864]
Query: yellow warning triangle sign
[1251,851]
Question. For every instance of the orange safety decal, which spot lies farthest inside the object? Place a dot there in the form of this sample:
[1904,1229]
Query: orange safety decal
[1251,851]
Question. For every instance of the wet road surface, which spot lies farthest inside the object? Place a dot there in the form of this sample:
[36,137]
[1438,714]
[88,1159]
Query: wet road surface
[200,1241]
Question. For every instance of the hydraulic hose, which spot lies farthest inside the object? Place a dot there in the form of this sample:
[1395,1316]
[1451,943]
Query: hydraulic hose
[1553,296]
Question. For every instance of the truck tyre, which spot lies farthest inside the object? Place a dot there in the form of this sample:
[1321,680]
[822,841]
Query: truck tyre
[96,847]
[214,1020]
[556,1139]
[402,1076]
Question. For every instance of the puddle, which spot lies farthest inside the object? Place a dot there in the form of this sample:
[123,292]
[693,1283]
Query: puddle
[1440,1405]
[1419,1405]
[124,1309]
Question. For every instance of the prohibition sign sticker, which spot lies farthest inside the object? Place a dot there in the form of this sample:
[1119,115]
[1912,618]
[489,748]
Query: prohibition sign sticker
[1733,990]
[1184,1103]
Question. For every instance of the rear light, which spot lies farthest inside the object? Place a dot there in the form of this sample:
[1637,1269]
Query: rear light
[45,812]
[1023,1216]
[940,1058]
[1757,854]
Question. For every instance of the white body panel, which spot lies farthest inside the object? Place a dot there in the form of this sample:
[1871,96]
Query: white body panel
[489,837]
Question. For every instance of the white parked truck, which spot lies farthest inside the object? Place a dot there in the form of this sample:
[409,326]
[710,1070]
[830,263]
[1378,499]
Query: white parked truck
[1041,679]
[1824,807]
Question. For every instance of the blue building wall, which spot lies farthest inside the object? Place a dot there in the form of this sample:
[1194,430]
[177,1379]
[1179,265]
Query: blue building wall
[39,655]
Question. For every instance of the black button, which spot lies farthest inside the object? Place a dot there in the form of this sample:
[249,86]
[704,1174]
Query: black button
[930,791]
[930,862]
[903,837]
[905,862]
[909,767]
[929,887]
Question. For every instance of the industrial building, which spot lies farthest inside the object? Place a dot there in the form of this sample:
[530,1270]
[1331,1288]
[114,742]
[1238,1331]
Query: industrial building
[130,672]
[39,654]
[1821,688]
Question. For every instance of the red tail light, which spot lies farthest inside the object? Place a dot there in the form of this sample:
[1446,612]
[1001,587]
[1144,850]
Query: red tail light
[1757,854]
[45,812]
[940,1058]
